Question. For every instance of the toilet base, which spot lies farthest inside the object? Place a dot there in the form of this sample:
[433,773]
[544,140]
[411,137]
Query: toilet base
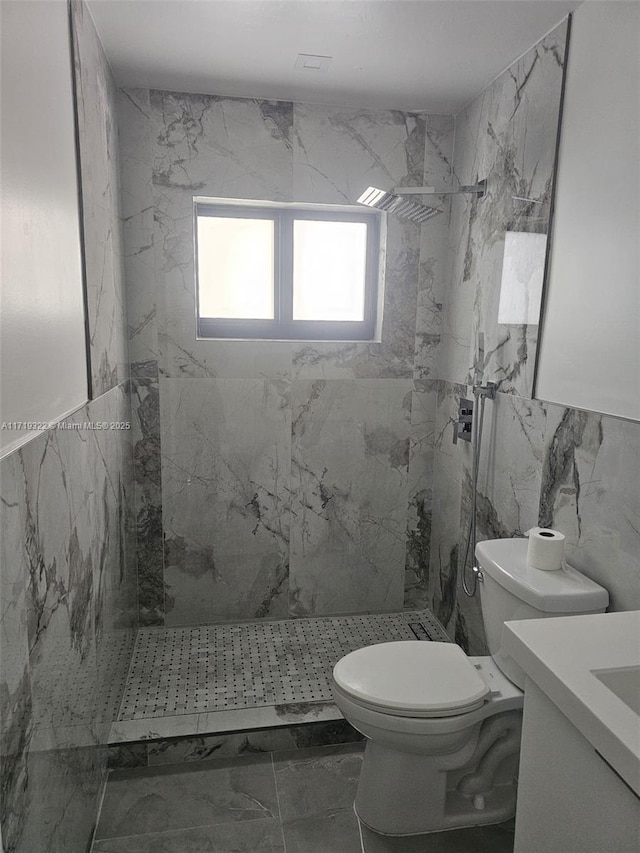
[401,793]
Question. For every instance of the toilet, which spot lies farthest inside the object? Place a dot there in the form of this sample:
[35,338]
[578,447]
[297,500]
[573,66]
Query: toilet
[443,729]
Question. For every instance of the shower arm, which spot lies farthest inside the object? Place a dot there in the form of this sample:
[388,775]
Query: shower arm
[478,189]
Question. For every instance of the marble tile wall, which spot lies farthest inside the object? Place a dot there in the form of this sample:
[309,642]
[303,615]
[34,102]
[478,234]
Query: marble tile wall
[101,226]
[67,541]
[541,463]
[68,596]
[358,500]
[275,478]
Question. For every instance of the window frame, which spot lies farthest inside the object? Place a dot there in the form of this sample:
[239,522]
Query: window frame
[283,326]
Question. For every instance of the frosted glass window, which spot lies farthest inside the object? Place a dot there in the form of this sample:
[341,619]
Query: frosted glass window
[236,267]
[273,270]
[329,270]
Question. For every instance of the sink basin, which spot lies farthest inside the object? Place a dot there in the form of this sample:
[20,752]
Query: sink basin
[624,682]
[589,667]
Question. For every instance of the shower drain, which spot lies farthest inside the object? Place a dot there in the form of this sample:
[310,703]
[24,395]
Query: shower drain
[430,629]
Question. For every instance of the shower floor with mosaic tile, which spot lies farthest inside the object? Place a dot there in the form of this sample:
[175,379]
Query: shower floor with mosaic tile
[208,669]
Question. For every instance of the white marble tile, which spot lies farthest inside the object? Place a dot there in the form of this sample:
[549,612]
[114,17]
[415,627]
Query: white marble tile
[145,427]
[213,147]
[591,493]
[99,173]
[222,147]
[432,279]
[507,136]
[349,491]
[66,537]
[510,467]
[339,152]
[448,463]
[420,492]
[225,475]
[136,208]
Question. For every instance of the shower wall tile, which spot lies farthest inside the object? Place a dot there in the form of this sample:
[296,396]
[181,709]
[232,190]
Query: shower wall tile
[506,136]
[68,611]
[420,493]
[67,537]
[511,467]
[432,277]
[145,425]
[393,356]
[99,174]
[541,463]
[447,532]
[340,151]
[16,711]
[591,492]
[225,489]
[432,285]
[337,154]
[174,147]
[137,212]
[508,492]
[221,148]
[350,445]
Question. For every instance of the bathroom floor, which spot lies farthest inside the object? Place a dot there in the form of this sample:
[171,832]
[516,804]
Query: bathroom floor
[294,801]
[185,671]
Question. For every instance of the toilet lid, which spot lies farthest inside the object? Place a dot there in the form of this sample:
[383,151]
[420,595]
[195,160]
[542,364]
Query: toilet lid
[412,678]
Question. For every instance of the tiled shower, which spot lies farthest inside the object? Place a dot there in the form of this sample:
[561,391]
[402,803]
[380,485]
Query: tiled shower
[266,489]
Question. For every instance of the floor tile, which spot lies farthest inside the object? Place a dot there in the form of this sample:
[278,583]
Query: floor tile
[207,668]
[157,799]
[317,780]
[476,839]
[333,831]
[255,836]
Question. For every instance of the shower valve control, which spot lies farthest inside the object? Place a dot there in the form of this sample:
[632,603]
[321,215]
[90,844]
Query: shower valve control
[462,426]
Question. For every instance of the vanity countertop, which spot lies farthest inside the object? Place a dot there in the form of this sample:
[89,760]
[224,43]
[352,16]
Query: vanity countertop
[561,656]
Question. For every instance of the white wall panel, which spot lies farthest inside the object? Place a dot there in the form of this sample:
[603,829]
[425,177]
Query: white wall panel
[42,344]
[590,344]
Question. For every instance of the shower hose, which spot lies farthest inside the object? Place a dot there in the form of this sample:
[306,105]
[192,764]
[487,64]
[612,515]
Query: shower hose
[480,393]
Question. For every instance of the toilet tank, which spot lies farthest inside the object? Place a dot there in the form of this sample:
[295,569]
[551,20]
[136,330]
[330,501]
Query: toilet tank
[513,590]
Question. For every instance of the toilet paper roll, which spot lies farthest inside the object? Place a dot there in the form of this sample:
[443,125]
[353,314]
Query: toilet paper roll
[546,549]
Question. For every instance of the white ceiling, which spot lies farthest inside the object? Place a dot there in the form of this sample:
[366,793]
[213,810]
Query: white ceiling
[431,55]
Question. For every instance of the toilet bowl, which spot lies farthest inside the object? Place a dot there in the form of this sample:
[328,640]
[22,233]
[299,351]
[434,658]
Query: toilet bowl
[443,729]
[421,754]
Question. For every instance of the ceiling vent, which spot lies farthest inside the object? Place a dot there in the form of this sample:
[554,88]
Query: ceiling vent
[312,62]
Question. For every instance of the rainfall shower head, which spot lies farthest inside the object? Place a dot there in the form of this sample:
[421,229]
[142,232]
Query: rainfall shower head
[397,205]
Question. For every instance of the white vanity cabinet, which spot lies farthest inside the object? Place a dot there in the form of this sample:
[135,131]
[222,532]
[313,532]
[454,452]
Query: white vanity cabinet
[569,798]
[579,781]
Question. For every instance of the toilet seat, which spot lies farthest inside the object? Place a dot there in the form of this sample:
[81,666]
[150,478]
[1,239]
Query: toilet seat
[412,679]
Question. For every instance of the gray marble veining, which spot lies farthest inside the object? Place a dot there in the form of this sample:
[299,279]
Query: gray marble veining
[68,611]
[99,174]
[225,474]
[231,557]
[506,136]
[67,543]
[349,494]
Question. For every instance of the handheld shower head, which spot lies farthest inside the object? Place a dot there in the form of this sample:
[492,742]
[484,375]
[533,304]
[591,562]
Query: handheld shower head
[397,205]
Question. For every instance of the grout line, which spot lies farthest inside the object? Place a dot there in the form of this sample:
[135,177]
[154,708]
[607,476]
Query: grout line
[275,782]
[362,850]
[94,837]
